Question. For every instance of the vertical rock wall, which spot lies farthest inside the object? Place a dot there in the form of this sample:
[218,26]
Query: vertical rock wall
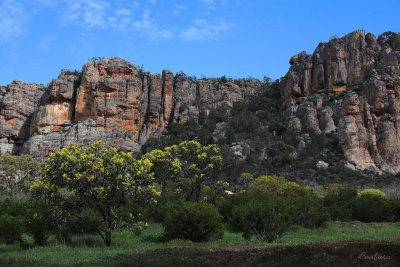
[350,88]
[110,100]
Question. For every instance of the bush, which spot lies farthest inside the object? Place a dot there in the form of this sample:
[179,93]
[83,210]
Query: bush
[372,191]
[265,216]
[12,219]
[371,208]
[194,221]
[308,210]
[11,228]
[395,208]
[246,122]
[39,223]
[277,185]
[339,203]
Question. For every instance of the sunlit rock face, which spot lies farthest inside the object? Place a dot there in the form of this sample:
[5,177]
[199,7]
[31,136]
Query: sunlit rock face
[350,88]
[109,100]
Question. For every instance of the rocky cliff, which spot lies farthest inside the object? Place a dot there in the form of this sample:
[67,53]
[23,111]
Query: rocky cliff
[349,89]
[109,100]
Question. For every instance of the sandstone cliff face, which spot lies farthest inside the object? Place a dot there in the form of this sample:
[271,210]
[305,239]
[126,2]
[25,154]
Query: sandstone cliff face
[110,100]
[349,88]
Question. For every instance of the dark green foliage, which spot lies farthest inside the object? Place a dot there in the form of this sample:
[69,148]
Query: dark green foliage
[38,222]
[262,215]
[340,203]
[223,79]
[308,210]
[95,59]
[194,221]
[395,208]
[12,219]
[238,108]
[177,133]
[389,36]
[245,122]
[371,208]
[11,228]
[72,72]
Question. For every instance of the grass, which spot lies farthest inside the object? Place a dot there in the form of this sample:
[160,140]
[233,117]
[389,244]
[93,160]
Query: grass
[89,250]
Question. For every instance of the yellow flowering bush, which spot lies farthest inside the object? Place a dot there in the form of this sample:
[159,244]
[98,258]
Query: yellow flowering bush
[372,191]
[186,167]
[96,177]
[277,185]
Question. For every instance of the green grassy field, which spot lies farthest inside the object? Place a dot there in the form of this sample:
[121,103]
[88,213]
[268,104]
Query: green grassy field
[130,250]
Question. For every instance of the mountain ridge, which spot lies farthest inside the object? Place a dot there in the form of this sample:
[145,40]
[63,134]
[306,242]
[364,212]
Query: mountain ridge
[348,90]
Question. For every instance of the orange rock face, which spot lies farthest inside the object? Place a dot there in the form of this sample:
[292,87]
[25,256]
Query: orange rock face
[110,100]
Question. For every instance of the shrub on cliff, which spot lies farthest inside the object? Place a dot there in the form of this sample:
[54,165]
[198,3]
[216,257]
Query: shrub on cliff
[194,221]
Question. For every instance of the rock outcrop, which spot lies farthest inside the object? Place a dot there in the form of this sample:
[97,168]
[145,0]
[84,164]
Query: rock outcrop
[349,88]
[109,100]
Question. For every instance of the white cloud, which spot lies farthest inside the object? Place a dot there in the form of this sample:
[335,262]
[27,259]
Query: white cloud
[134,18]
[12,19]
[210,3]
[89,13]
[153,2]
[149,26]
[177,10]
[203,30]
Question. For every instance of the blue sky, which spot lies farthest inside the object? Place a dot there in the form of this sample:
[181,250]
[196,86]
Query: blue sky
[235,38]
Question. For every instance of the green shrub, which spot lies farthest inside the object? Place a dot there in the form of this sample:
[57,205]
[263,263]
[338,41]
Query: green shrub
[246,122]
[38,222]
[308,210]
[395,208]
[226,205]
[265,216]
[12,219]
[277,185]
[372,191]
[371,208]
[194,221]
[339,203]
[11,228]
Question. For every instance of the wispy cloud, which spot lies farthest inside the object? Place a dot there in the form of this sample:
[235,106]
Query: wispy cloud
[203,30]
[100,14]
[89,13]
[210,3]
[12,19]
[178,9]
[149,26]
[153,2]
[136,18]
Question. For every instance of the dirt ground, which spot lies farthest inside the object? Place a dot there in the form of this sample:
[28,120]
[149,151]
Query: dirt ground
[353,253]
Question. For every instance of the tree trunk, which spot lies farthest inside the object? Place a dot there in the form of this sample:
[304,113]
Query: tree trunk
[108,238]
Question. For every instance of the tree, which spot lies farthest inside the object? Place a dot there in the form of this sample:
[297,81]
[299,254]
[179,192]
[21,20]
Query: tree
[16,173]
[186,166]
[98,178]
